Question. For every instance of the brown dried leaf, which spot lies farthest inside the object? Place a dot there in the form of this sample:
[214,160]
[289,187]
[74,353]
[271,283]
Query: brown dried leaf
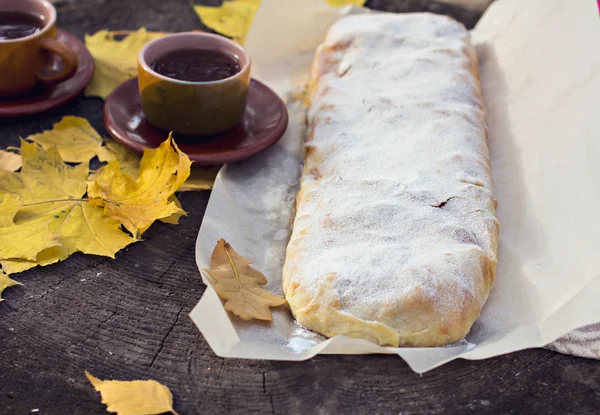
[239,284]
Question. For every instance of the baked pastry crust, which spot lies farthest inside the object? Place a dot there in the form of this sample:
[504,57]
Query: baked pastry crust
[395,234]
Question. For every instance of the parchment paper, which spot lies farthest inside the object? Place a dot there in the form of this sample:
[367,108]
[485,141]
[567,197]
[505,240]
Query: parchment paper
[540,74]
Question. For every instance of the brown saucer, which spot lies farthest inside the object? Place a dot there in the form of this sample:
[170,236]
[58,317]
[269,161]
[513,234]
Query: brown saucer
[45,97]
[264,123]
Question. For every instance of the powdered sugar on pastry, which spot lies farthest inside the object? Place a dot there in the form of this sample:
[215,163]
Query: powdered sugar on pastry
[395,236]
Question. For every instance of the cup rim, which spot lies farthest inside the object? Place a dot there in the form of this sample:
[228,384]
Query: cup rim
[51,21]
[147,68]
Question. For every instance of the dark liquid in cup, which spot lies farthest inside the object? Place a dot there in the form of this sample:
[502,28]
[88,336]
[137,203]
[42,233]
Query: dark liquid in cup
[15,24]
[196,65]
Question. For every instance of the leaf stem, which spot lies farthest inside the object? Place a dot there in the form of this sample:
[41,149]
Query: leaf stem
[235,272]
[57,200]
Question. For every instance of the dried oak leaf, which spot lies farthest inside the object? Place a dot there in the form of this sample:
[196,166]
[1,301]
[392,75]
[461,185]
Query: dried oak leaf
[10,161]
[239,284]
[115,60]
[47,219]
[136,397]
[75,139]
[137,203]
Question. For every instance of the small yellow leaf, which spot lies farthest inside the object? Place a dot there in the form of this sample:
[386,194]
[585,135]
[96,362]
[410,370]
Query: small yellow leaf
[201,178]
[5,282]
[75,139]
[10,161]
[232,19]
[136,397]
[239,284]
[137,203]
[115,60]
[340,3]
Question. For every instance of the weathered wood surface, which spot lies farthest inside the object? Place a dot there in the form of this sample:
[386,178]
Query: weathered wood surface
[128,318]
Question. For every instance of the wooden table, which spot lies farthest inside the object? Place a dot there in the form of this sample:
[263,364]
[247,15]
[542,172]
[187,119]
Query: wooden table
[128,318]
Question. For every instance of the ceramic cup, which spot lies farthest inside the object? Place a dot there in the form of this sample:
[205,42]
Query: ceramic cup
[28,60]
[192,108]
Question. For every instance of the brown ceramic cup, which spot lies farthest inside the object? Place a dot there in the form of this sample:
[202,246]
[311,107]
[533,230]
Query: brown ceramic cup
[192,108]
[27,60]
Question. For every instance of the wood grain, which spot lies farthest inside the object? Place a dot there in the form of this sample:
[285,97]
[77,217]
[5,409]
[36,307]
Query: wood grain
[128,318]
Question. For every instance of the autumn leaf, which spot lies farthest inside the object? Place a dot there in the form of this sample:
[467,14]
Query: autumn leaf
[26,240]
[49,219]
[340,3]
[128,159]
[75,139]
[201,178]
[48,256]
[232,19]
[136,397]
[5,282]
[115,60]
[239,284]
[9,206]
[138,202]
[10,161]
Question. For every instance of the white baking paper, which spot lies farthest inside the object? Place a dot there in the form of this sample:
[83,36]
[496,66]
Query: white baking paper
[540,74]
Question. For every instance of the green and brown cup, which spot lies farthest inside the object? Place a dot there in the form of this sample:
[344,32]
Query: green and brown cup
[192,108]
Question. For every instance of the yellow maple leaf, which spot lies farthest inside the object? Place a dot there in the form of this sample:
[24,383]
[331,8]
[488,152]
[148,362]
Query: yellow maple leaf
[232,19]
[239,284]
[115,60]
[75,139]
[135,397]
[201,178]
[339,3]
[44,176]
[26,240]
[128,159]
[48,218]
[9,206]
[5,282]
[10,161]
[45,257]
[138,202]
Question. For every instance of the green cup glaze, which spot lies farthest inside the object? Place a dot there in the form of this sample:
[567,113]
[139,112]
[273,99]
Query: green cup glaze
[192,108]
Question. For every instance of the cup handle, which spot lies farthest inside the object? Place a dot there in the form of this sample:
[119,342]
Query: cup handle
[67,55]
